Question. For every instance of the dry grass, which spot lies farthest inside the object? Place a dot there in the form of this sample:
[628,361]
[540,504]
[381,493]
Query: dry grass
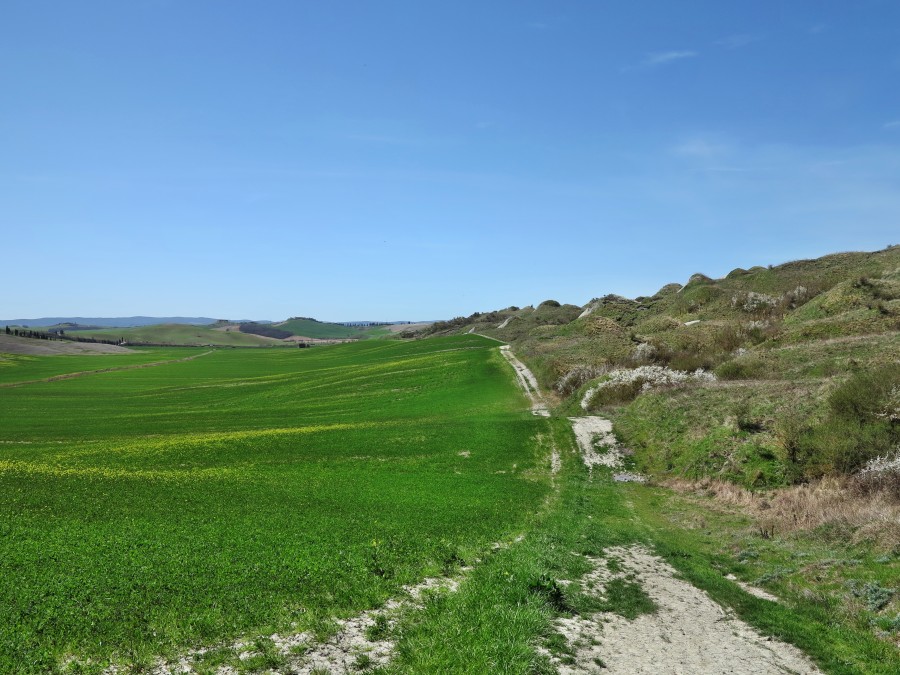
[871,512]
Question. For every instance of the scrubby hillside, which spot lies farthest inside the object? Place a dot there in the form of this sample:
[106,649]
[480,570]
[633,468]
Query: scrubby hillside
[797,362]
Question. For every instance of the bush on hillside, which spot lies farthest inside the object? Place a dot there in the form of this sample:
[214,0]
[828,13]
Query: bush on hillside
[575,378]
[881,474]
[862,423]
[740,368]
[621,386]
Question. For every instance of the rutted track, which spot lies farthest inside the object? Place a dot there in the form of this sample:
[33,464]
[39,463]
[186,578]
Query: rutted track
[689,633]
[528,382]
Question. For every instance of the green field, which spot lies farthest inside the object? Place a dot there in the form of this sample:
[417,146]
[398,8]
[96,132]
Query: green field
[145,510]
[19,368]
[179,334]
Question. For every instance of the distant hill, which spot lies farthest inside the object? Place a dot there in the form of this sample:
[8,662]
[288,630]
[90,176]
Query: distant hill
[108,322]
[312,328]
[181,334]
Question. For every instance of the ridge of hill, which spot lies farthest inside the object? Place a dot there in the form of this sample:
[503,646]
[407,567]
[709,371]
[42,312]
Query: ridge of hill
[704,321]
[786,352]
[313,328]
[107,322]
[180,334]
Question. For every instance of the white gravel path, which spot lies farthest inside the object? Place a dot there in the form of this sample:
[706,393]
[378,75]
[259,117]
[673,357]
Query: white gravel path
[341,653]
[599,447]
[689,633]
[528,382]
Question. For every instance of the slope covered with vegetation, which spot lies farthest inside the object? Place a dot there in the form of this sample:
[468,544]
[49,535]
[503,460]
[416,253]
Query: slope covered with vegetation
[324,330]
[767,402]
[799,362]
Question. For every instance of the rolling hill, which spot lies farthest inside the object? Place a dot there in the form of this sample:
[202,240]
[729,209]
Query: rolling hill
[181,334]
[785,345]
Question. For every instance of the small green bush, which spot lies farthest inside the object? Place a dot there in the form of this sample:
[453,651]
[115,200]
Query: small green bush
[740,369]
[860,425]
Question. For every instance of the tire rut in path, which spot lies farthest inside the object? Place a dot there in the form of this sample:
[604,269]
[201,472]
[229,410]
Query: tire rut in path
[689,633]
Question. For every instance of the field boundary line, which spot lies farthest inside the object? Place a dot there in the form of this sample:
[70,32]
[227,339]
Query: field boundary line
[85,373]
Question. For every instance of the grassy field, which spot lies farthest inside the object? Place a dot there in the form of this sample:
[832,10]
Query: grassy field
[17,368]
[145,510]
[179,334]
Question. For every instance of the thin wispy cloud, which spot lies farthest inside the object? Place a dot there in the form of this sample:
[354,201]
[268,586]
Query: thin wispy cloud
[657,59]
[895,124]
[662,58]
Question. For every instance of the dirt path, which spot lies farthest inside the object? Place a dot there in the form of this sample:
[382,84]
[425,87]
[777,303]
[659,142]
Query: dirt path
[85,373]
[528,383]
[688,633]
[362,639]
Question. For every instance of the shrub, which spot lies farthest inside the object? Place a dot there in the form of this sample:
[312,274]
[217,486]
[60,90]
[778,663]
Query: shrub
[624,385]
[576,377]
[740,369]
[881,474]
[862,423]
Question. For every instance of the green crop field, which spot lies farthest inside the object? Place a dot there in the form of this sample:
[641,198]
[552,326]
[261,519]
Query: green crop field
[149,509]
[179,334]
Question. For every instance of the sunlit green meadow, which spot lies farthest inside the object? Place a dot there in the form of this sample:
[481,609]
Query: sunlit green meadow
[146,510]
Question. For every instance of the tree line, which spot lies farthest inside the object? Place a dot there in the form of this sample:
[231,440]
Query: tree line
[58,335]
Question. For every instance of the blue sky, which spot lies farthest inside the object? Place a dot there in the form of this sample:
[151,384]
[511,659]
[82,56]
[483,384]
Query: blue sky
[411,160]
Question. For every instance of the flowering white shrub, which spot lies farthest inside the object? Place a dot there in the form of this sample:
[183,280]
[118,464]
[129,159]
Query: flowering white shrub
[882,474]
[644,352]
[797,296]
[891,409]
[753,301]
[881,466]
[644,379]
[577,377]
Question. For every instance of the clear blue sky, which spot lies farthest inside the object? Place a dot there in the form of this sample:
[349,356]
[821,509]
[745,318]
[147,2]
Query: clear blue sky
[410,160]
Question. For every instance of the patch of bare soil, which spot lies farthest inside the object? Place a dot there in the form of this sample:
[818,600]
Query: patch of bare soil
[363,639]
[688,633]
[599,447]
[12,344]
[587,311]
